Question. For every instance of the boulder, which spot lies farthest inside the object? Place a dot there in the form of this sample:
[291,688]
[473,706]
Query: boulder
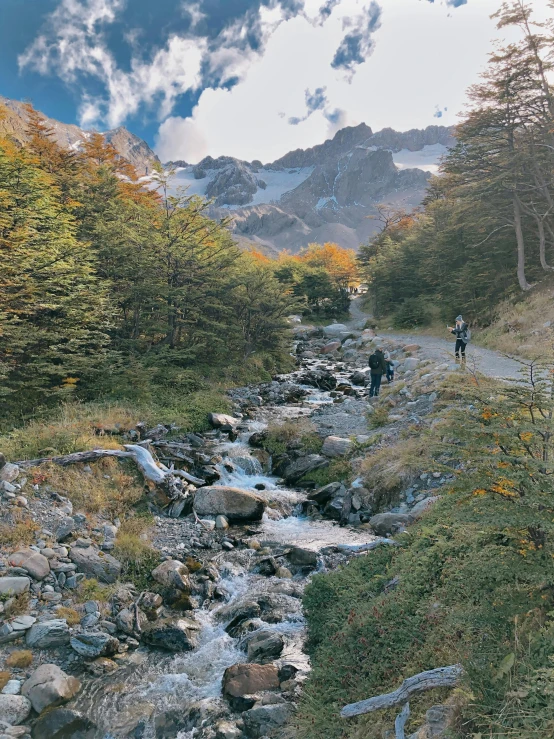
[63,723]
[321,379]
[296,469]
[331,347]
[236,613]
[95,563]
[222,421]
[33,562]
[14,709]
[227,730]
[423,506]
[172,574]
[332,490]
[64,528]
[92,644]
[335,446]
[411,348]
[172,634]
[359,377]
[303,557]
[263,646]
[14,585]
[131,621]
[410,364]
[335,329]
[240,680]
[389,523]
[333,508]
[48,634]
[233,503]
[263,720]
[9,472]
[49,686]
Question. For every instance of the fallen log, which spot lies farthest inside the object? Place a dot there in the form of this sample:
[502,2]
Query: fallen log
[440,677]
[400,722]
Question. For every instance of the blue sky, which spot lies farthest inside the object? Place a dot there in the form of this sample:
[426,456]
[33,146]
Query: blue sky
[251,78]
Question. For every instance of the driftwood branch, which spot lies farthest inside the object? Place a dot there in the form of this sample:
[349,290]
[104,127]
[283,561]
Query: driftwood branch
[441,677]
[400,722]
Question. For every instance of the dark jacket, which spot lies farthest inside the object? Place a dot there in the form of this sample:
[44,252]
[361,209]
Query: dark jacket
[382,368]
[460,333]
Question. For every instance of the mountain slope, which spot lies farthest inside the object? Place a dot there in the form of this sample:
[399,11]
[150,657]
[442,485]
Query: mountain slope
[326,193]
[130,147]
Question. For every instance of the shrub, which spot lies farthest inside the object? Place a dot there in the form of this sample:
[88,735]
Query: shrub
[20,531]
[299,432]
[72,616]
[91,589]
[379,417]
[137,556]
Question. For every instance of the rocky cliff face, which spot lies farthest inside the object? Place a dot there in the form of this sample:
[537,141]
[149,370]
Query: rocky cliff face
[130,147]
[325,193]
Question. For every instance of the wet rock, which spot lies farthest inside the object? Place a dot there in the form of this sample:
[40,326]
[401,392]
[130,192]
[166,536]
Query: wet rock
[321,379]
[335,446]
[102,666]
[359,378]
[172,634]
[14,709]
[94,644]
[322,495]
[235,504]
[263,646]
[227,730]
[277,607]
[303,557]
[246,679]
[63,723]
[95,563]
[263,720]
[14,585]
[236,613]
[131,621]
[48,634]
[333,509]
[389,523]
[49,686]
[297,469]
[172,574]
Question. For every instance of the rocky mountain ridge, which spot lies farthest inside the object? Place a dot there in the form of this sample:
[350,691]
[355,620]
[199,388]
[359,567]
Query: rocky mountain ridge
[326,193]
[130,147]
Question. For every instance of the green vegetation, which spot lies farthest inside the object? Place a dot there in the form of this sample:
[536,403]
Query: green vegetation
[137,556]
[298,434]
[474,577]
[485,230]
[91,589]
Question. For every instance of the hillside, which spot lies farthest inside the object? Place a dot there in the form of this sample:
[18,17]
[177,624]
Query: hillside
[68,136]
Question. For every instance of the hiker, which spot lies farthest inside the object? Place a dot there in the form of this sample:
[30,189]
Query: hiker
[463,335]
[390,367]
[377,367]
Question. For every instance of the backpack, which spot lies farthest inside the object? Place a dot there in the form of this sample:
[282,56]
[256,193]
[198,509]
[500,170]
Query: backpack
[374,362]
[467,336]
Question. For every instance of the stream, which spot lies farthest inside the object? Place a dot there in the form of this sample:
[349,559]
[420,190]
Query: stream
[155,694]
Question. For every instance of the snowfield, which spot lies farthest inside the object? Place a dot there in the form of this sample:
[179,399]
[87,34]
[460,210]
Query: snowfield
[426,159]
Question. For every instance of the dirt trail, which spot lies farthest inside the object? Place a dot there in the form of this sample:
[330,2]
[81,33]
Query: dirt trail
[486,361]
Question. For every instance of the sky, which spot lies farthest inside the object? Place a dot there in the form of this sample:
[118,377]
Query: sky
[252,79]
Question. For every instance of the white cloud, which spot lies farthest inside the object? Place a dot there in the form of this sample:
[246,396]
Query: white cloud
[73,45]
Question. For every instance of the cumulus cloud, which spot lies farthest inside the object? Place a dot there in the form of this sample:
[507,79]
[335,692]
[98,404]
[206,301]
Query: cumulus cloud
[326,9]
[73,46]
[357,45]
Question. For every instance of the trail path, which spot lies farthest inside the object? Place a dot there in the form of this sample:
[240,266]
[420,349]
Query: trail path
[486,361]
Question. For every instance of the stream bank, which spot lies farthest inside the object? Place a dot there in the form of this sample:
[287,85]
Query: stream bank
[225,615]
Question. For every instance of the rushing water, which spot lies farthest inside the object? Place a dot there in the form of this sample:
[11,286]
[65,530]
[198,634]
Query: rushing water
[151,682]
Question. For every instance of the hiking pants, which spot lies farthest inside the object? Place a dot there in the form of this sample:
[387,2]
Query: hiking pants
[460,350]
[375,385]
[390,374]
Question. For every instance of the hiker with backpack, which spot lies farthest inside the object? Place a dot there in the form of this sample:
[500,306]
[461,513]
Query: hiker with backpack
[463,336]
[378,368]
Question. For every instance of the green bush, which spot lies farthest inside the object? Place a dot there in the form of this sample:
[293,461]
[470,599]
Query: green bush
[412,312]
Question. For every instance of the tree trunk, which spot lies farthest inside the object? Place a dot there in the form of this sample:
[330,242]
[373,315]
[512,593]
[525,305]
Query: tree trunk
[542,243]
[520,245]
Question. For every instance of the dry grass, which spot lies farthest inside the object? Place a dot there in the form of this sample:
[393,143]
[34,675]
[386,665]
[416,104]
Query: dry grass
[72,616]
[111,488]
[19,531]
[20,658]
[520,329]
[91,589]
[133,549]
[4,677]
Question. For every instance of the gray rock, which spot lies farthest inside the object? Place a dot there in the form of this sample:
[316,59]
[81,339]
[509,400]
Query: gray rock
[303,557]
[94,644]
[263,720]
[14,709]
[8,633]
[9,472]
[22,623]
[63,723]
[126,621]
[64,528]
[94,563]
[172,634]
[335,446]
[410,363]
[263,646]
[423,506]
[33,562]
[12,687]
[294,471]
[14,585]
[49,686]
[48,634]
[233,503]
[222,421]
[389,523]
[322,495]
[172,574]
[335,329]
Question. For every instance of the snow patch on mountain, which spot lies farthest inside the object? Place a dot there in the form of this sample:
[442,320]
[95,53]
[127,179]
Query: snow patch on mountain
[428,158]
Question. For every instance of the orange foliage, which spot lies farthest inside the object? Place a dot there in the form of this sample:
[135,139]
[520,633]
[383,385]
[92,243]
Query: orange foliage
[339,263]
